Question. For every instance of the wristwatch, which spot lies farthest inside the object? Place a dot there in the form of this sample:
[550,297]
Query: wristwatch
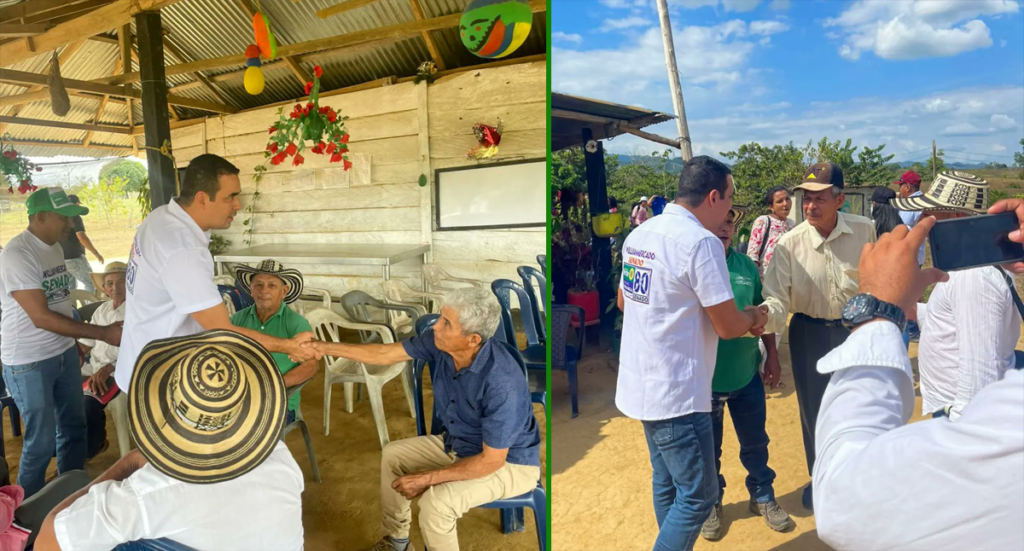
[864,308]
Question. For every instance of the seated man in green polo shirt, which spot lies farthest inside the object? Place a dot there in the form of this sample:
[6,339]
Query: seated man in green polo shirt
[736,382]
[272,287]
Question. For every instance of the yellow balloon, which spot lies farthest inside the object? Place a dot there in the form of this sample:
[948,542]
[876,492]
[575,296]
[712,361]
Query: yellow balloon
[254,81]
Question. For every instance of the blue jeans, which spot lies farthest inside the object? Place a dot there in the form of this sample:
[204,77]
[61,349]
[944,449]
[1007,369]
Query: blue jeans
[747,409]
[49,396]
[685,482]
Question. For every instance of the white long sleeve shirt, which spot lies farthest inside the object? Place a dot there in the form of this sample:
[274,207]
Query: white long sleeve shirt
[932,485]
[969,328]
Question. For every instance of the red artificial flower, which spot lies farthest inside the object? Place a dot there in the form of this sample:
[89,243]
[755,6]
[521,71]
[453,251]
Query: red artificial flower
[39,169]
[336,157]
[273,129]
[332,116]
[279,158]
[318,71]
[272,147]
[344,139]
[34,188]
[298,107]
[295,114]
[330,148]
[309,106]
[317,149]
[323,110]
[309,87]
[348,165]
[298,160]
[291,149]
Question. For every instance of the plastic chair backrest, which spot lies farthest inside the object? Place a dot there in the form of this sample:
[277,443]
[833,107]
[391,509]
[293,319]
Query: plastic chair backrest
[325,324]
[561,315]
[80,298]
[528,274]
[542,259]
[426,322]
[503,289]
[89,309]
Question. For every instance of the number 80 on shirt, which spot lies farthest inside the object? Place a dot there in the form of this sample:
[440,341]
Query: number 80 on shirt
[636,283]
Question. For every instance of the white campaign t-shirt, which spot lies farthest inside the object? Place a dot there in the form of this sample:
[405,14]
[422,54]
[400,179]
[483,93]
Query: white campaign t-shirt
[169,277]
[28,263]
[258,511]
[672,269]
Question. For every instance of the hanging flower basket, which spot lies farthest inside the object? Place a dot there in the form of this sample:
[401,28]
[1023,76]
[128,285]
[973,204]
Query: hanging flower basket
[16,169]
[319,126]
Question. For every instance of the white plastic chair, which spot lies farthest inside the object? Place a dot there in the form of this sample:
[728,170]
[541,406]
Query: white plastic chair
[80,298]
[397,292]
[118,408]
[326,325]
[323,297]
[440,280]
[224,280]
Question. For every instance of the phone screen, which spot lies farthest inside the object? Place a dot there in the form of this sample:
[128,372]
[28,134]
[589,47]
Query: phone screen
[974,241]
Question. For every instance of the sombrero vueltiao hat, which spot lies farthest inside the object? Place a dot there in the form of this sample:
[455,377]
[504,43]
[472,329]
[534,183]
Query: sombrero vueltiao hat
[291,277]
[112,268]
[206,408]
[739,212]
[952,191]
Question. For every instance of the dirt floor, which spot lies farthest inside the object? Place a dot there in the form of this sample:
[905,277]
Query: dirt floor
[343,513]
[601,474]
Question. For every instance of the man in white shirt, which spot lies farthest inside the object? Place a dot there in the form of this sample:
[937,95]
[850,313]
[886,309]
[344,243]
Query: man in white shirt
[102,356]
[40,362]
[210,471]
[931,485]
[677,301]
[170,285]
[970,325]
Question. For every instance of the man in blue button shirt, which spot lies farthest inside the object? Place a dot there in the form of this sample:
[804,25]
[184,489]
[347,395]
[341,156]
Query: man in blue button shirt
[490,445]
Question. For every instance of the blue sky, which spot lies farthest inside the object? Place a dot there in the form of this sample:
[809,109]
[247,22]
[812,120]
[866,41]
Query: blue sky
[899,72]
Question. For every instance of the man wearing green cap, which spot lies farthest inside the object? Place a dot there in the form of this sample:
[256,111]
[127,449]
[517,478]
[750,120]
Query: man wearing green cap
[37,346]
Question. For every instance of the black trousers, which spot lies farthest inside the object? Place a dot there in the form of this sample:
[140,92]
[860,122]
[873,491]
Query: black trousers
[810,339]
[95,426]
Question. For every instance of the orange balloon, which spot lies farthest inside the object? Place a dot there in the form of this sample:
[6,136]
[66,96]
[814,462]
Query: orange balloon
[261,28]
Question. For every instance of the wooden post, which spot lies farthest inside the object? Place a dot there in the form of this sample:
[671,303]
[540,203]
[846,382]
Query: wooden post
[686,151]
[601,250]
[154,107]
[934,162]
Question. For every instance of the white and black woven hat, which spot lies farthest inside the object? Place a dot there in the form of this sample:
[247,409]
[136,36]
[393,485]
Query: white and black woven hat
[951,191]
[292,278]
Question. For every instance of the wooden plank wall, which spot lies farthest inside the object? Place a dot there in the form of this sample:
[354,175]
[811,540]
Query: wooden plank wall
[379,200]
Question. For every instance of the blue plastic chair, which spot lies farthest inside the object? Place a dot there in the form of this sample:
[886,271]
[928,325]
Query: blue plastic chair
[565,354]
[535,354]
[162,544]
[239,299]
[512,515]
[528,274]
[542,259]
[1019,358]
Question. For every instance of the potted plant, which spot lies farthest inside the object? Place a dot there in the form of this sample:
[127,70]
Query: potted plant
[571,242]
[16,168]
[616,277]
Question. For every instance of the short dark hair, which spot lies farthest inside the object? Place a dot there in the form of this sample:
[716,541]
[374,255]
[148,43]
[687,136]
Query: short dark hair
[202,175]
[769,196]
[700,176]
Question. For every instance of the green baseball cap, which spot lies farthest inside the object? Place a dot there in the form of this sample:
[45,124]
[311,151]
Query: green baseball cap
[53,199]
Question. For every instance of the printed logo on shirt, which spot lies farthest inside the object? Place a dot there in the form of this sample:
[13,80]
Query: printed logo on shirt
[57,284]
[636,283]
[133,268]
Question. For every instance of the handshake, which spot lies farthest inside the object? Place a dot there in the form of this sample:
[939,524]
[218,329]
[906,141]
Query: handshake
[303,347]
[760,316]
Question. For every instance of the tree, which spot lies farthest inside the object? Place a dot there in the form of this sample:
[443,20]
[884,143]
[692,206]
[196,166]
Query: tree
[107,196]
[133,173]
[940,165]
[648,177]
[1018,159]
[756,169]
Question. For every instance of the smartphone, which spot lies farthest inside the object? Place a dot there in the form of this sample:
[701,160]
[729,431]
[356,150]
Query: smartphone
[974,241]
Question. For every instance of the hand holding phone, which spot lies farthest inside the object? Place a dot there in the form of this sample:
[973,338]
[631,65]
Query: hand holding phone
[973,241]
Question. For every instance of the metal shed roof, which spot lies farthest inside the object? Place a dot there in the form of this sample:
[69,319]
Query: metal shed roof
[571,114]
[205,29]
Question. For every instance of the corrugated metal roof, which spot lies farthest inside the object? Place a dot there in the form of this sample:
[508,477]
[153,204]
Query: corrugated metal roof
[204,29]
[597,115]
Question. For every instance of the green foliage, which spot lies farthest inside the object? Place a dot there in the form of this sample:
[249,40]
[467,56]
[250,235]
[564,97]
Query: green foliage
[133,173]
[1018,159]
[570,246]
[143,198]
[645,176]
[219,244]
[107,197]
[569,171]
[756,169]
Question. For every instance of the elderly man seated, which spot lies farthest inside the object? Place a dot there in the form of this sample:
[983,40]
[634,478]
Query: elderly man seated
[272,286]
[210,471]
[99,370]
[490,447]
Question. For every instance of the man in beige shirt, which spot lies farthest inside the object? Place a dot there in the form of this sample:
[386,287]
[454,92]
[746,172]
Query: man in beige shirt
[813,274]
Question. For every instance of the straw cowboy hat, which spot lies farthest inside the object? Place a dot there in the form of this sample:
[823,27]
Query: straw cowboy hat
[739,212]
[206,408]
[291,277]
[112,268]
[951,191]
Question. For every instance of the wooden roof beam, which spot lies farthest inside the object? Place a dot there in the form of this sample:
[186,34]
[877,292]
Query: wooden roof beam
[435,54]
[202,80]
[103,105]
[69,125]
[10,75]
[293,63]
[399,31]
[39,143]
[64,56]
[110,15]
[343,7]
[10,30]
[24,10]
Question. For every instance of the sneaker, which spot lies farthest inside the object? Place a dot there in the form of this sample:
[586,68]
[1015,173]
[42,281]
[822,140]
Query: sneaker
[774,516]
[712,529]
[808,498]
[384,544]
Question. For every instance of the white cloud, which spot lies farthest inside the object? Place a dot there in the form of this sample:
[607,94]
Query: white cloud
[998,148]
[768,27]
[1002,122]
[740,5]
[936,105]
[963,129]
[780,5]
[624,23]
[563,37]
[916,29]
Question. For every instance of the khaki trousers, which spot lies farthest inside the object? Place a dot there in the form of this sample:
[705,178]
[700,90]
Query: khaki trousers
[442,505]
